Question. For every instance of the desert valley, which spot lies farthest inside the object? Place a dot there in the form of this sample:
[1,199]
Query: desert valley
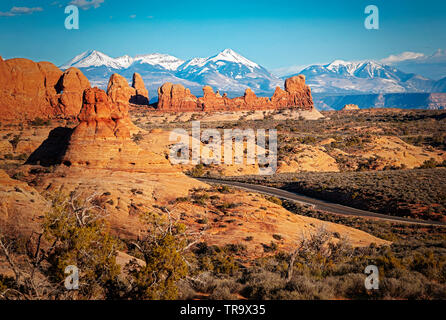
[86,180]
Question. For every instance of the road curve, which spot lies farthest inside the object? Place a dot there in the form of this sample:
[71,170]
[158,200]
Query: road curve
[316,203]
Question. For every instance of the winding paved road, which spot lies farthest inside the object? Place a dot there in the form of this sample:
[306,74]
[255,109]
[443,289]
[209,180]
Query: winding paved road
[316,203]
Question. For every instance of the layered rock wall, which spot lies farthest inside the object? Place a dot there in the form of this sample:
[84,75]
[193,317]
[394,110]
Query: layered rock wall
[175,97]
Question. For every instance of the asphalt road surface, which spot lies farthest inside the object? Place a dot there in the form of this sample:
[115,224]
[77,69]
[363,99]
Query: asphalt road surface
[317,203]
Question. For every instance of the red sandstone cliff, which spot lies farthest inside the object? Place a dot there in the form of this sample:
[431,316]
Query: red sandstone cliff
[29,90]
[174,98]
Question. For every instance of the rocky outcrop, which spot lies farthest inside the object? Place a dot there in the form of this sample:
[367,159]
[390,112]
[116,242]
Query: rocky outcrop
[141,96]
[71,86]
[21,207]
[175,98]
[120,93]
[29,90]
[102,140]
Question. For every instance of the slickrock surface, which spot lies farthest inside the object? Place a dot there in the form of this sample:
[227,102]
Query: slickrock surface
[29,90]
[177,98]
[21,207]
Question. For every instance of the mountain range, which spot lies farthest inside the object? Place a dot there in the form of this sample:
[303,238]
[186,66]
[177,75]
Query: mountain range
[232,73]
[226,71]
[343,77]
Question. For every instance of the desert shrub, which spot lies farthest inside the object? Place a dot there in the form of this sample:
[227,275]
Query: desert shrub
[429,265]
[40,122]
[428,164]
[200,198]
[224,189]
[80,236]
[197,171]
[137,137]
[162,249]
[224,289]
[261,284]
[216,259]
[275,200]
[272,247]
[74,233]
[15,141]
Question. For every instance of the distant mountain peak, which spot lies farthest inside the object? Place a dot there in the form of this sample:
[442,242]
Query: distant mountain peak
[94,58]
[232,56]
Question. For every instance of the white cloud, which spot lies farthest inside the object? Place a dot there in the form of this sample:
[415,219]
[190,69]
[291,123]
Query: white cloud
[16,11]
[85,4]
[392,59]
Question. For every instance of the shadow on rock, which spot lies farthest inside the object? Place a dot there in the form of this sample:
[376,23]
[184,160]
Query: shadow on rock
[52,150]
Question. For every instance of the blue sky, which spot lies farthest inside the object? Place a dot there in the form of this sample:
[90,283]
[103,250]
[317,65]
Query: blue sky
[272,33]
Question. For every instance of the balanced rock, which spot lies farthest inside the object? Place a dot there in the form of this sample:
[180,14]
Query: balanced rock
[141,96]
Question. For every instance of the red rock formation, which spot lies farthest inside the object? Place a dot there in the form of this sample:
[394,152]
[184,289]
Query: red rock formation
[173,98]
[212,101]
[299,94]
[72,85]
[141,96]
[29,90]
[102,140]
[120,93]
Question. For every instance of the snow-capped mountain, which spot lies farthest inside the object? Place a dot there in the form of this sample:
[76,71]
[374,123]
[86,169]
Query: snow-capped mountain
[95,58]
[232,73]
[363,77]
[226,71]
[229,71]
